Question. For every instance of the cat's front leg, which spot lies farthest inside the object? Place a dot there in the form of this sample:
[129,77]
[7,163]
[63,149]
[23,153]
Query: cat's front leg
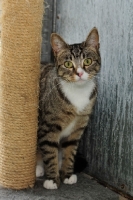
[69,149]
[50,158]
[67,168]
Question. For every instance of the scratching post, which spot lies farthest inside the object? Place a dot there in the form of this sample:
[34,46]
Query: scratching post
[19,78]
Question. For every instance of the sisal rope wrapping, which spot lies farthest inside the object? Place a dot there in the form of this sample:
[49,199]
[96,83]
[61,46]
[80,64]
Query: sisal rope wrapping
[19,78]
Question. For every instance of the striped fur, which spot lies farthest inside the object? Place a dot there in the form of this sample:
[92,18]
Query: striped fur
[66,102]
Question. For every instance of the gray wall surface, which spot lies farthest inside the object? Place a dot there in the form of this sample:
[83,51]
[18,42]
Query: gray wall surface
[108,141]
[46,31]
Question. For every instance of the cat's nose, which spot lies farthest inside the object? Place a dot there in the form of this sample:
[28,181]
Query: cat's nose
[80,74]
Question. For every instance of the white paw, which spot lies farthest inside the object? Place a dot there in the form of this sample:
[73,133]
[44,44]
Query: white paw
[71,180]
[39,170]
[49,184]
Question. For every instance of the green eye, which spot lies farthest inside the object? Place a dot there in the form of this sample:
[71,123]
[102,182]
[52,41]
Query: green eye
[87,61]
[68,64]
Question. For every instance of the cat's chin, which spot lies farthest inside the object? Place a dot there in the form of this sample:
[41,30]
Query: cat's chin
[77,82]
[80,82]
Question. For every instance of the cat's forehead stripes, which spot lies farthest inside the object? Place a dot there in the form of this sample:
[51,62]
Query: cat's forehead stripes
[76,50]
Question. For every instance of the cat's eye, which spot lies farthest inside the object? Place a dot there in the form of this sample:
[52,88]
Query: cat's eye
[68,64]
[87,61]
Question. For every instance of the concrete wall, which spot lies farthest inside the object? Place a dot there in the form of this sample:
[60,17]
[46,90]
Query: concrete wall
[46,31]
[0,13]
[0,25]
[108,141]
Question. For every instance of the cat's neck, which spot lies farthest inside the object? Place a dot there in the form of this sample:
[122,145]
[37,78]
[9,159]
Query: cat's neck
[78,93]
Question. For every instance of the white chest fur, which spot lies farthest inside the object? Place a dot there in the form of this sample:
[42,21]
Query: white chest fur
[78,94]
[67,131]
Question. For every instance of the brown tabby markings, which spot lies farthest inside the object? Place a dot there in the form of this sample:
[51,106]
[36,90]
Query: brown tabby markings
[56,111]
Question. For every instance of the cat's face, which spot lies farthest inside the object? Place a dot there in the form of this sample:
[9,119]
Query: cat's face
[77,62]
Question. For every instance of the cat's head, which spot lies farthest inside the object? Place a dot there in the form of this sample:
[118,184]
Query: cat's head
[77,62]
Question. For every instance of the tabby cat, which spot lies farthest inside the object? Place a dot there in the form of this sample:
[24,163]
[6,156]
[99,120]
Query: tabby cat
[67,95]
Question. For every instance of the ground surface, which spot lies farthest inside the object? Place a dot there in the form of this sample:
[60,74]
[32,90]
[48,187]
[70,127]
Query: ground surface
[85,189]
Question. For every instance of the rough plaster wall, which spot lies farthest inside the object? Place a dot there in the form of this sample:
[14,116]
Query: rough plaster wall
[0,13]
[108,141]
[46,31]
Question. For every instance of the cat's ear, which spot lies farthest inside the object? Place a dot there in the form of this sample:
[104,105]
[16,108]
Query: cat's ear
[57,43]
[93,38]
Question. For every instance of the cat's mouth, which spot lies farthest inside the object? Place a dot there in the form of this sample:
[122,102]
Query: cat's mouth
[81,79]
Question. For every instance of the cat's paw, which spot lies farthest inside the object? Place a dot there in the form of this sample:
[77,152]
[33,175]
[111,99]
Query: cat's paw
[49,184]
[39,171]
[71,180]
